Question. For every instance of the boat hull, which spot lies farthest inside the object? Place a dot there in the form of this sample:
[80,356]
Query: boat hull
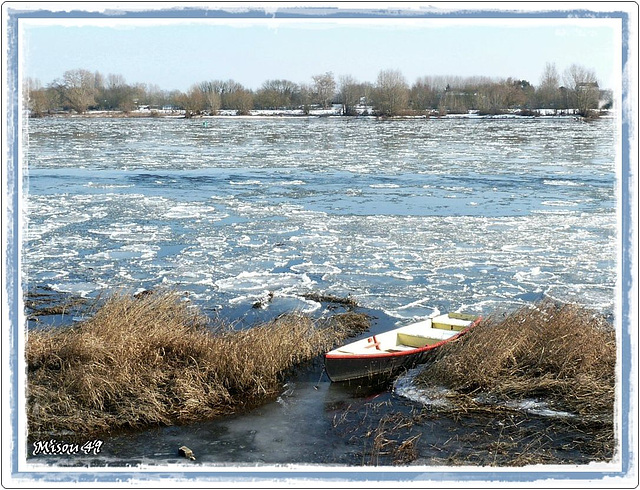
[385,354]
[344,368]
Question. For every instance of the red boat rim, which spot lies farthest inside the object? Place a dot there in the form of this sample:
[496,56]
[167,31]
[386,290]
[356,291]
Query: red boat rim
[403,353]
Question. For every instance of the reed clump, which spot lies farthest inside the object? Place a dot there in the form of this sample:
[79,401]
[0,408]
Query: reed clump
[347,301]
[562,353]
[155,360]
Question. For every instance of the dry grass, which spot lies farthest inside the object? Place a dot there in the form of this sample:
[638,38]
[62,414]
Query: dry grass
[382,438]
[154,360]
[564,354]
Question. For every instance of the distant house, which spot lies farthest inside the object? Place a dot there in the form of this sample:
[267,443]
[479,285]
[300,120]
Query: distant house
[587,86]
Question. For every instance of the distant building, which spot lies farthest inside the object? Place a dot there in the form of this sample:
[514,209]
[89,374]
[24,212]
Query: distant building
[587,86]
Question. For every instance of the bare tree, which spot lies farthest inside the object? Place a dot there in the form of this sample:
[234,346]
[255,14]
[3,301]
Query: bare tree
[213,95]
[98,81]
[325,88]
[227,90]
[491,98]
[350,94]
[424,94]
[193,102]
[548,93]
[115,93]
[154,96]
[306,97]
[391,94]
[277,94]
[517,93]
[37,99]
[240,100]
[34,98]
[584,86]
[77,89]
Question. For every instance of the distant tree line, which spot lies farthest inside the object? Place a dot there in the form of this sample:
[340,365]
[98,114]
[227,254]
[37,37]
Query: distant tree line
[391,95]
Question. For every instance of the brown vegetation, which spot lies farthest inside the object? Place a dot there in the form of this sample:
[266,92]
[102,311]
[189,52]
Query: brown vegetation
[155,360]
[564,354]
[80,90]
[43,303]
[466,435]
[347,301]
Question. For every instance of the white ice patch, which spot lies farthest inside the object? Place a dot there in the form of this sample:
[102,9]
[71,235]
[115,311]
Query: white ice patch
[559,203]
[82,289]
[311,268]
[95,185]
[296,303]
[566,183]
[50,275]
[293,182]
[401,275]
[537,407]
[429,396]
[315,239]
[126,252]
[245,182]
[130,232]
[534,275]
[437,396]
[212,241]
[258,281]
[415,311]
[188,277]
[251,242]
[185,211]
[284,302]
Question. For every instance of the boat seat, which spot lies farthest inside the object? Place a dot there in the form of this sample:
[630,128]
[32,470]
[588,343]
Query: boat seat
[452,321]
[342,351]
[413,340]
[400,348]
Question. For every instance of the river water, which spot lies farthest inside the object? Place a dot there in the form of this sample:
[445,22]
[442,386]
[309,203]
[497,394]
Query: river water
[406,216]
[409,217]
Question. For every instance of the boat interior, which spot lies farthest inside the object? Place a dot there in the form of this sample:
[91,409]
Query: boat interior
[416,335]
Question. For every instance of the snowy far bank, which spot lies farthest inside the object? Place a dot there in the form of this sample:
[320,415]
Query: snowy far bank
[335,111]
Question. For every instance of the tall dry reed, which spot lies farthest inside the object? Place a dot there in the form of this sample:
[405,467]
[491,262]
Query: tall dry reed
[565,354]
[155,360]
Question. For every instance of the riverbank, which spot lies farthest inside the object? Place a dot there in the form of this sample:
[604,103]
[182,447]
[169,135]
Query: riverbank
[362,113]
[548,359]
[154,360]
[378,424]
[562,353]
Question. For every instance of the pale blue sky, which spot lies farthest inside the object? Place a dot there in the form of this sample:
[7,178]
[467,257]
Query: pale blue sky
[174,54]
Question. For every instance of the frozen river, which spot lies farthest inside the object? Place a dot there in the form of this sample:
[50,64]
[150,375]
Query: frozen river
[406,216]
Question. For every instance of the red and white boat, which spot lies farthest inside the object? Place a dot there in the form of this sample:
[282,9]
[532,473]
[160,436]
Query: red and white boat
[402,348]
